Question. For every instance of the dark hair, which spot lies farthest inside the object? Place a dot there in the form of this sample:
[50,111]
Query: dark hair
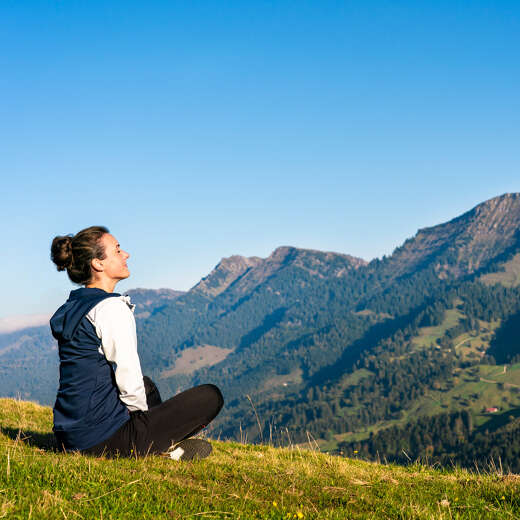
[75,253]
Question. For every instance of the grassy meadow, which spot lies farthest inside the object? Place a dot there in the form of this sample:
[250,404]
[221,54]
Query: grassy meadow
[238,481]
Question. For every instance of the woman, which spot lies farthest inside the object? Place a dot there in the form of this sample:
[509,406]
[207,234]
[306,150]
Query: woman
[104,405]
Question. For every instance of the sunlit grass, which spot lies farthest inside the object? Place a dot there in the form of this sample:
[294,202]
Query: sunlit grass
[237,481]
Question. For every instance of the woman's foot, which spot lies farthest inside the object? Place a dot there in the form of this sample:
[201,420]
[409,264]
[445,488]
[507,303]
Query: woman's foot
[190,449]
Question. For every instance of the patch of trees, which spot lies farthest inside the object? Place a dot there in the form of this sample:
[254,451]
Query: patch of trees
[447,439]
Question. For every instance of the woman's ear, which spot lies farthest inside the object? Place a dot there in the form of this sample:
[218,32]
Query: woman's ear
[97,265]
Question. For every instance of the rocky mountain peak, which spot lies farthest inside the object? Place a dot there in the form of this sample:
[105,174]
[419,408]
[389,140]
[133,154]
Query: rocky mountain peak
[225,273]
[500,214]
[465,243]
[237,263]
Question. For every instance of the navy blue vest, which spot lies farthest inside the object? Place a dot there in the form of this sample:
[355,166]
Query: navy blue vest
[87,409]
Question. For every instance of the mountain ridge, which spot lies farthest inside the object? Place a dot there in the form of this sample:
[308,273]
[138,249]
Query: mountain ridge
[246,272]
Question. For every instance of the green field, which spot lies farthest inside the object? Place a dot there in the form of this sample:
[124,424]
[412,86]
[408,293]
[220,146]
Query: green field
[429,335]
[510,277]
[238,481]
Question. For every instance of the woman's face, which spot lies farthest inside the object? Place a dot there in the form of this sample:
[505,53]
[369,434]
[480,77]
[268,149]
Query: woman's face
[114,263]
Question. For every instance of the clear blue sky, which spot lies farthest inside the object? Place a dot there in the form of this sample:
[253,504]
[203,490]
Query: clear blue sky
[198,130]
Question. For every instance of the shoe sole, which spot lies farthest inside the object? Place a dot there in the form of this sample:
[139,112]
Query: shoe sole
[191,449]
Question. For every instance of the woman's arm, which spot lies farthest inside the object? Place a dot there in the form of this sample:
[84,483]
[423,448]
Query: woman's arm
[114,322]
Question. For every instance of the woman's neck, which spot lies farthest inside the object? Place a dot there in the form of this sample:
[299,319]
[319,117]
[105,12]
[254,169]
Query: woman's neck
[106,285]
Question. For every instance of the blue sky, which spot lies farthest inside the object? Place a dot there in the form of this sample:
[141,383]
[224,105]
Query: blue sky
[198,130]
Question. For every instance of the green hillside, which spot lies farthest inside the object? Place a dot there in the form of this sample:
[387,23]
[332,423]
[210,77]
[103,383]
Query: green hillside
[474,386]
[238,481]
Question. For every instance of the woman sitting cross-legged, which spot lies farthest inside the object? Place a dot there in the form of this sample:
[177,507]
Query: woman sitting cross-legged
[104,404]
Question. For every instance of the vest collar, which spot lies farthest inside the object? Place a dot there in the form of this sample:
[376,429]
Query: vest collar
[89,292]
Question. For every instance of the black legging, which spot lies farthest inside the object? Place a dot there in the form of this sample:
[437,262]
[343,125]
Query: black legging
[164,424]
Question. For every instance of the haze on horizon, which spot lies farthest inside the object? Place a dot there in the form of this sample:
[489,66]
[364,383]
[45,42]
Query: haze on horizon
[195,132]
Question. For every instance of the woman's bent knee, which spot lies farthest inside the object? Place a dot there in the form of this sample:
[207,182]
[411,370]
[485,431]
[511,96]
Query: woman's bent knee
[214,399]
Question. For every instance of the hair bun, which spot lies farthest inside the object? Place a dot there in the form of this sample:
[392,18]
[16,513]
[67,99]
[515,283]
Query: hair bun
[61,252]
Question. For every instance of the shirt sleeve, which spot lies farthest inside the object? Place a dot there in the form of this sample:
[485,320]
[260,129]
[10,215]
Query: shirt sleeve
[114,322]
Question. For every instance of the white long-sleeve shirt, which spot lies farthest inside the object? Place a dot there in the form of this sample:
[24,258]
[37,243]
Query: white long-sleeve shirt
[114,322]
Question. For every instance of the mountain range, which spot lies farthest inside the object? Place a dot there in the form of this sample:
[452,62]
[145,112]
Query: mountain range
[310,343]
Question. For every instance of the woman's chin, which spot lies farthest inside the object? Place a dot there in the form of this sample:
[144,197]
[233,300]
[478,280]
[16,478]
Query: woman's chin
[124,275]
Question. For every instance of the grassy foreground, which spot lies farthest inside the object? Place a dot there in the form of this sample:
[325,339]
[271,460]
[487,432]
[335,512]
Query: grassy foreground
[237,481]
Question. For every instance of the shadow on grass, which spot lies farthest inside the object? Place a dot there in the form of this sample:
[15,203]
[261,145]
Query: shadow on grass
[44,441]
